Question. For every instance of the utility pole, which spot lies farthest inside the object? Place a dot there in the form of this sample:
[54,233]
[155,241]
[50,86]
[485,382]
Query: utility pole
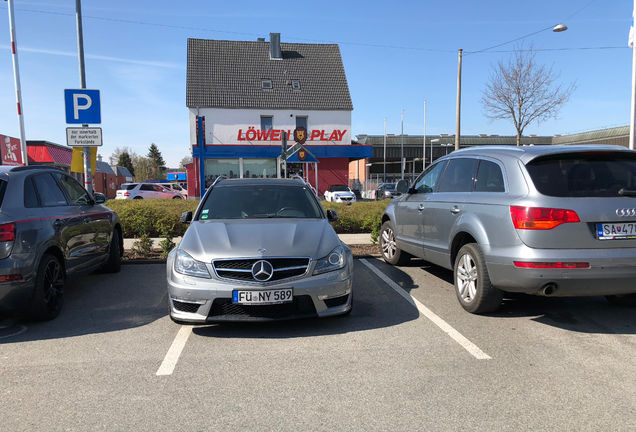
[16,78]
[402,147]
[88,180]
[459,99]
[384,178]
[424,140]
[632,119]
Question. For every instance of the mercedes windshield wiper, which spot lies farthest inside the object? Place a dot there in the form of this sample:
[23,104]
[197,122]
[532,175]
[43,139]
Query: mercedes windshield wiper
[627,192]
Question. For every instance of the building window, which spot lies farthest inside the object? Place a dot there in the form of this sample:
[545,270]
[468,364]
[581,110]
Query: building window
[259,168]
[301,122]
[267,84]
[266,122]
[221,167]
[295,84]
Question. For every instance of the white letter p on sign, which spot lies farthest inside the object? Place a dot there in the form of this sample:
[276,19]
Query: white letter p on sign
[77,107]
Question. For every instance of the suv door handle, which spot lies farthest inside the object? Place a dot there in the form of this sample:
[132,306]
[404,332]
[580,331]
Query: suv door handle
[455,210]
[420,207]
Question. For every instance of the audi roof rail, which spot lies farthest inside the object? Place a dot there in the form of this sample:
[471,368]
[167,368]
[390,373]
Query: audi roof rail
[34,167]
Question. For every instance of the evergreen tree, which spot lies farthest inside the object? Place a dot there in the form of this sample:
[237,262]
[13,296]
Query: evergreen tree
[155,155]
[125,161]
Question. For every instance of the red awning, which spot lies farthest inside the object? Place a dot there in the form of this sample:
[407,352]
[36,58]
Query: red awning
[50,154]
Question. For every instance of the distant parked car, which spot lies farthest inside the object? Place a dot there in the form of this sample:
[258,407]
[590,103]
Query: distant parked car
[544,220]
[145,191]
[176,188]
[50,229]
[386,191]
[339,193]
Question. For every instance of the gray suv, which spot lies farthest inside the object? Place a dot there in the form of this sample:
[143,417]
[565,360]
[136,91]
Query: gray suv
[545,220]
[50,229]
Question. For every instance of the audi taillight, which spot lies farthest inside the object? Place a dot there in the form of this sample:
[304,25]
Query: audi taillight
[7,232]
[541,218]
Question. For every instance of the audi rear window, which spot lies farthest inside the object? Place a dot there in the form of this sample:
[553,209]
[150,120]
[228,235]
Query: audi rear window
[3,188]
[584,174]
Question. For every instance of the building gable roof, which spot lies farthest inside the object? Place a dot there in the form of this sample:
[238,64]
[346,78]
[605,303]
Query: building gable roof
[229,74]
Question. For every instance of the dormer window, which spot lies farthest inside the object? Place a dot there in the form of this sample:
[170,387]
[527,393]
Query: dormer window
[266,84]
[295,84]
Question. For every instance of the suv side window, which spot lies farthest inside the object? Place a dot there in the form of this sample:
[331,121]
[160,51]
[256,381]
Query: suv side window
[30,197]
[75,192]
[459,175]
[428,180]
[49,191]
[160,189]
[147,187]
[489,177]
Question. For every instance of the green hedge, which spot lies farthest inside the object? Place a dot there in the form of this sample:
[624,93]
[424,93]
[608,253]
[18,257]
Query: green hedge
[155,217]
[160,217]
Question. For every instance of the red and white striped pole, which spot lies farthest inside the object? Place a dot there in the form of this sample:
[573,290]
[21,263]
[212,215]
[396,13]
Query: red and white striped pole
[16,76]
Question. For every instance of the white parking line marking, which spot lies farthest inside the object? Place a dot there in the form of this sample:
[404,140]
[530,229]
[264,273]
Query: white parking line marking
[172,356]
[439,322]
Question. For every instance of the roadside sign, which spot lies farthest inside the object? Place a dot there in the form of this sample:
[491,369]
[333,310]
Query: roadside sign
[84,137]
[82,106]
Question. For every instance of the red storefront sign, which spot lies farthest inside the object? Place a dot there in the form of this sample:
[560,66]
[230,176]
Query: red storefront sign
[252,134]
[10,150]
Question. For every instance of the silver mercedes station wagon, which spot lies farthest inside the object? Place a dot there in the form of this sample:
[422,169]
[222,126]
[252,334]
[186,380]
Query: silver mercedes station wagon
[259,250]
[546,220]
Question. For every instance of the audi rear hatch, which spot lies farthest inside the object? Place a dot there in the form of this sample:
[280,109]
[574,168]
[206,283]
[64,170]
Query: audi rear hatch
[585,200]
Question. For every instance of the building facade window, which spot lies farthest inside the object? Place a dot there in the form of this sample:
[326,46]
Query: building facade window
[266,84]
[301,122]
[267,122]
[221,167]
[259,168]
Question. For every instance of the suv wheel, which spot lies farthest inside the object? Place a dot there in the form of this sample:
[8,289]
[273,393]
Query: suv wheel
[388,246]
[472,283]
[48,294]
[113,265]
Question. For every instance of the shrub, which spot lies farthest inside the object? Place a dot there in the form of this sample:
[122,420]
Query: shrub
[143,246]
[161,217]
[359,217]
[166,246]
[156,218]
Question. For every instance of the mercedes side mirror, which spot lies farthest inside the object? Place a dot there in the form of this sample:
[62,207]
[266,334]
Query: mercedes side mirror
[186,217]
[402,187]
[332,215]
[99,198]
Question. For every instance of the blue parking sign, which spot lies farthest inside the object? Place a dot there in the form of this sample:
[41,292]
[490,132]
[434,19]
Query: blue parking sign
[82,106]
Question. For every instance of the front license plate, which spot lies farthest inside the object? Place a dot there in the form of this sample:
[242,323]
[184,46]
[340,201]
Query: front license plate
[616,231]
[263,297]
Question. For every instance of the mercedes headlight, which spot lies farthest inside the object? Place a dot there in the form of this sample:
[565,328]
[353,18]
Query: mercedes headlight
[185,264]
[334,261]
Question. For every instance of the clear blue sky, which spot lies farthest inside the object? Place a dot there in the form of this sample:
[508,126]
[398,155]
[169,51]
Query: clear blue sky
[396,54]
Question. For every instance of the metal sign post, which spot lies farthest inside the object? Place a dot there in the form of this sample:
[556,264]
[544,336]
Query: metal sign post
[16,77]
[201,145]
[88,179]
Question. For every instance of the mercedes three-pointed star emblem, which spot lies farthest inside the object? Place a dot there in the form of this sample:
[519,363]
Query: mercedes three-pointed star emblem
[262,271]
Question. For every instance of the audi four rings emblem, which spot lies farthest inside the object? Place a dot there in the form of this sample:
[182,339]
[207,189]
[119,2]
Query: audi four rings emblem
[626,212]
[262,271]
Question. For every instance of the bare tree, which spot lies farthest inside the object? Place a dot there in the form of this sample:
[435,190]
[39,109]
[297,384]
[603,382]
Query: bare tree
[524,91]
[185,161]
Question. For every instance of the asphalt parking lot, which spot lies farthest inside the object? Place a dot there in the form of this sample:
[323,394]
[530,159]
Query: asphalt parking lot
[407,358]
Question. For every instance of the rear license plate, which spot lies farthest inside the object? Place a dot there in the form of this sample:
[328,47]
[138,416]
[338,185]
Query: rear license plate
[263,297]
[616,231]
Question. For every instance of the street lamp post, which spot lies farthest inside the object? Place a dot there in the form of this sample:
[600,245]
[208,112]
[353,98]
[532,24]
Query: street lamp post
[556,29]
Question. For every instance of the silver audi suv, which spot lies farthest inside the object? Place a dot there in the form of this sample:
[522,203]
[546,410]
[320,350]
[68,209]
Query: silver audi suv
[258,250]
[546,220]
